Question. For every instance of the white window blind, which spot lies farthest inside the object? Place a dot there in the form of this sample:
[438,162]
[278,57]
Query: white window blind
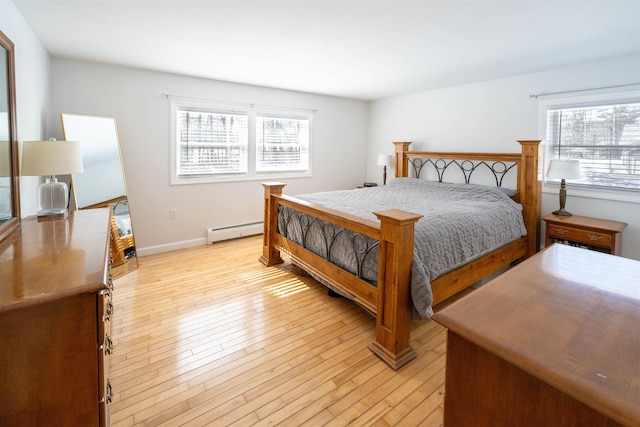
[211,142]
[282,143]
[604,137]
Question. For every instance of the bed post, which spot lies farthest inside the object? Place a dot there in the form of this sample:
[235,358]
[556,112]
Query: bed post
[530,188]
[401,162]
[270,255]
[393,318]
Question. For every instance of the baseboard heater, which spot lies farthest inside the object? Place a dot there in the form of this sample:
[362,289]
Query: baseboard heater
[233,232]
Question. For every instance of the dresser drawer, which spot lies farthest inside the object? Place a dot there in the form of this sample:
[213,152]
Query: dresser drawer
[587,237]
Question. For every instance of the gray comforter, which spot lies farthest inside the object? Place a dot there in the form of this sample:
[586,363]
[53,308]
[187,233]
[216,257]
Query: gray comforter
[461,222]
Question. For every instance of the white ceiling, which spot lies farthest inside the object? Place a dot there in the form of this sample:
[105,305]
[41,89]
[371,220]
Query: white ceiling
[359,49]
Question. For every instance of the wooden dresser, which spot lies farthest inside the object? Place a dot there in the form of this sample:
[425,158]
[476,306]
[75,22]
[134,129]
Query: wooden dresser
[55,309]
[552,342]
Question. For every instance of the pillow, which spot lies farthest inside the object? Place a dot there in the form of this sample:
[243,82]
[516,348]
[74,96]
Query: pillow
[509,192]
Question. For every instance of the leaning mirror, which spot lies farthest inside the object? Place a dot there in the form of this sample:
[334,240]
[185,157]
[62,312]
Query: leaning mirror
[9,184]
[103,182]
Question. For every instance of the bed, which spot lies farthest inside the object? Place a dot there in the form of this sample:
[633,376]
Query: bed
[383,274]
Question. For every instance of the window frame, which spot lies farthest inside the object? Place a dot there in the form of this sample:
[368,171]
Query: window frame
[252,111]
[581,189]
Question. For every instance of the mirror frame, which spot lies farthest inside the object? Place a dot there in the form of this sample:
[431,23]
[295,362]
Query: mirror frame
[14,222]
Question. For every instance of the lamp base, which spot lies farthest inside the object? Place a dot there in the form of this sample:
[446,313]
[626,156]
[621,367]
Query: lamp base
[562,212]
[53,198]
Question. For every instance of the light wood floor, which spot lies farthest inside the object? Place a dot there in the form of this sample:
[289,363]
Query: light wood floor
[210,336]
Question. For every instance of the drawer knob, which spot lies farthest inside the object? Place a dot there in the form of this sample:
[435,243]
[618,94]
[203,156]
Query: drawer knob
[560,230]
[594,238]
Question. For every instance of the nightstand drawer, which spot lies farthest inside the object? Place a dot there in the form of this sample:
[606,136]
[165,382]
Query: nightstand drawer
[586,232]
[581,236]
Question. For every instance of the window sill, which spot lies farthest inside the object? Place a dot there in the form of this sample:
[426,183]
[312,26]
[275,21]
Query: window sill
[240,178]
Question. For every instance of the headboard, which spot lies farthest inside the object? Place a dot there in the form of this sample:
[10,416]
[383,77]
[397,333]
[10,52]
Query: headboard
[528,186]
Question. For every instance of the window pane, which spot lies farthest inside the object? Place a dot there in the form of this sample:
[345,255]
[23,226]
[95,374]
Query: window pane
[604,138]
[282,144]
[211,142]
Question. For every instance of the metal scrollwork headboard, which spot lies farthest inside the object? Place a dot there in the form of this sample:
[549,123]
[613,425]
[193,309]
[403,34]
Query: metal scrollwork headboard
[467,167]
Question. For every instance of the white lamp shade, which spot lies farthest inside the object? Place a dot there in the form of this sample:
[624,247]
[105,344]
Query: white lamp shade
[564,169]
[42,158]
[385,160]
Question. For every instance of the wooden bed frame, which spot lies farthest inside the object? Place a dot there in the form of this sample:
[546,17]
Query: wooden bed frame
[390,301]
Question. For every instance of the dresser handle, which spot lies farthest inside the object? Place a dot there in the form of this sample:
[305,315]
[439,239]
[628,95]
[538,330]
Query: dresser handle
[560,230]
[109,396]
[594,238]
[110,310]
[108,345]
[110,279]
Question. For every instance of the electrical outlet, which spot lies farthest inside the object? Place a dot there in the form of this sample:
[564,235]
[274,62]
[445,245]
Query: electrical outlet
[173,213]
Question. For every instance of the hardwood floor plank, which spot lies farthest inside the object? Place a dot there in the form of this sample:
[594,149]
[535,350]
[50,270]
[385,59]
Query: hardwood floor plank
[369,395]
[429,410]
[415,399]
[279,383]
[383,401]
[210,336]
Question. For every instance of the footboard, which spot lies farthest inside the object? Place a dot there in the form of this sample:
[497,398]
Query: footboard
[390,301]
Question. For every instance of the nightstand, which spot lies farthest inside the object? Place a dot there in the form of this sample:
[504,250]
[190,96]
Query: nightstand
[591,233]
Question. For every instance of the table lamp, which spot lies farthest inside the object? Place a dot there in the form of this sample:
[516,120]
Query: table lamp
[51,158]
[563,169]
[384,160]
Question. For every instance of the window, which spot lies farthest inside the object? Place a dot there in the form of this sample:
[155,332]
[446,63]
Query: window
[282,143]
[210,142]
[213,143]
[604,136]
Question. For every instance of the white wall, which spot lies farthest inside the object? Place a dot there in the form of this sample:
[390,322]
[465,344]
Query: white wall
[32,90]
[133,98]
[487,116]
[491,116]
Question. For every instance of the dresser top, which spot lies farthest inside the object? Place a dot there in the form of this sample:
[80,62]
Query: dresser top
[51,259]
[567,316]
[586,222]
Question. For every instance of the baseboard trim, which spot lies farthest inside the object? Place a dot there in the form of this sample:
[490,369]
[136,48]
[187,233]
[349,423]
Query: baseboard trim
[169,247]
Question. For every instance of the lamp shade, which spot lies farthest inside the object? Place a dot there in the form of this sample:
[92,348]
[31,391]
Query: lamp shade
[564,169]
[385,160]
[42,158]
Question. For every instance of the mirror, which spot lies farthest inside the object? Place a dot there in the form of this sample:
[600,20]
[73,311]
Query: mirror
[9,183]
[103,182]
